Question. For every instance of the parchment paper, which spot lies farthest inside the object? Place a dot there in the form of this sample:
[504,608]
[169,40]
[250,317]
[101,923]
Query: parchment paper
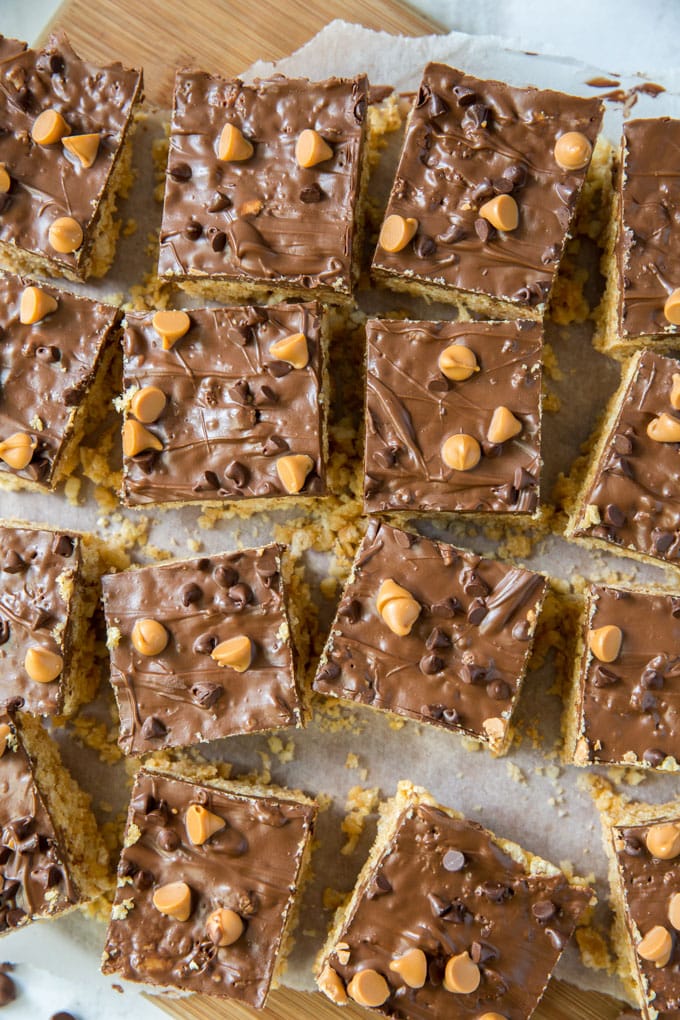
[546,812]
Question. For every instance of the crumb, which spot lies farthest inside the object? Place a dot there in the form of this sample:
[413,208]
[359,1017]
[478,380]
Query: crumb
[361,802]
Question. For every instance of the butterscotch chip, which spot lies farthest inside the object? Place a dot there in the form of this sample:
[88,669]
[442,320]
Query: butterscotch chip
[492,1016]
[5,180]
[396,232]
[293,470]
[5,734]
[173,899]
[83,147]
[148,404]
[331,984]
[673,910]
[233,146]
[17,450]
[388,590]
[663,841]
[42,664]
[502,212]
[201,824]
[224,927]
[461,975]
[675,392]
[49,127]
[369,988]
[503,426]
[311,148]
[605,642]
[656,946]
[35,305]
[664,429]
[234,653]
[671,309]
[136,438]
[397,607]
[149,637]
[458,362]
[65,235]
[411,967]
[572,151]
[342,952]
[461,452]
[171,326]
[292,349]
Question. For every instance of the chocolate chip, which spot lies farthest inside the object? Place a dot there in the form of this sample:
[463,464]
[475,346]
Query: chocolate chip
[437,638]
[241,594]
[497,892]
[435,971]
[456,232]
[48,354]
[438,106]
[648,703]
[482,190]
[219,202]
[360,109]
[351,611]
[556,938]
[662,540]
[4,630]
[499,690]
[617,465]
[477,610]
[473,584]
[13,563]
[311,194]
[57,63]
[279,368]
[453,860]
[544,910]
[62,1015]
[218,241]
[329,671]
[48,877]
[603,677]
[237,473]
[446,608]
[14,918]
[180,172]
[380,886]
[274,445]
[190,594]
[209,481]
[632,846]
[225,576]
[675,606]
[438,384]
[168,840]
[8,990]
[143,879]
[482,952]
[438,905]
[502,185]
[64,545]
[654,756]
[517,174]
[205,644]
[204,692]
[652,677]
[471,673]
[424,246]
[483,229]
[614,516]
[464,96]
[193,230]
[476,116]
[451,717]
[153,728]
[431,664]
[521,631]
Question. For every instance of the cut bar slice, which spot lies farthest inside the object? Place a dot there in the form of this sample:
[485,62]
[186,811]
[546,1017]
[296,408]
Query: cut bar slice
[231,406]
[486,193]
[448,920]
[265,187]
[208,885]
[641,265]
[58,365]
[629,501]
[432,385]
[49,588]
[202,649]
[433,633]
[65,156]
[53,858]
[624,705]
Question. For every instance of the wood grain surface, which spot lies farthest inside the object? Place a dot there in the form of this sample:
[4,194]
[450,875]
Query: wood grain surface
[226,36]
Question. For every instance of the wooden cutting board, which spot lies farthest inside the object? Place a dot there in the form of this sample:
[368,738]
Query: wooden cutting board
[226,36]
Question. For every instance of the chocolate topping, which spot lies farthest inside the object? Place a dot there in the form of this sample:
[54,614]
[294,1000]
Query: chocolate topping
[648,490]
[285,225]
[648,238]
[498,132]
[250,866]
[408,419]
[227,413]
[47,182]
[182,695]
[369,664]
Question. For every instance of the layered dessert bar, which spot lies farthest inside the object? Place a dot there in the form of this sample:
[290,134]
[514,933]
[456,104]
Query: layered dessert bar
[208,885]
[643,844]
[265,187]
[48,593]
[58,360]
[226,404]
[448,920]
[453,417]
[629,501]
[625,696]
[202,649]
[52,857]
[486,193]
[433,633]
[65,157]
[641,264]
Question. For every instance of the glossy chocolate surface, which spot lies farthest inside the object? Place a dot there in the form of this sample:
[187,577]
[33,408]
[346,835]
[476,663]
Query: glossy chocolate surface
[265,219]
[412,408]
[250,866]
[469,140]
[182,695]
[232,408]
[466,654]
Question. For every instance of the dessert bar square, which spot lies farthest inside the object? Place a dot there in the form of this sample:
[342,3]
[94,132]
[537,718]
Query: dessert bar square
[58,359]
[623,706]
[49,589]
[226,404]
[201,649]
[53,858]
[453,417]
[643,844]
[629,501]
[486,193]
[433,633]
[641,304]
[447,919]
[65,156]
[265,187]
[208,885]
